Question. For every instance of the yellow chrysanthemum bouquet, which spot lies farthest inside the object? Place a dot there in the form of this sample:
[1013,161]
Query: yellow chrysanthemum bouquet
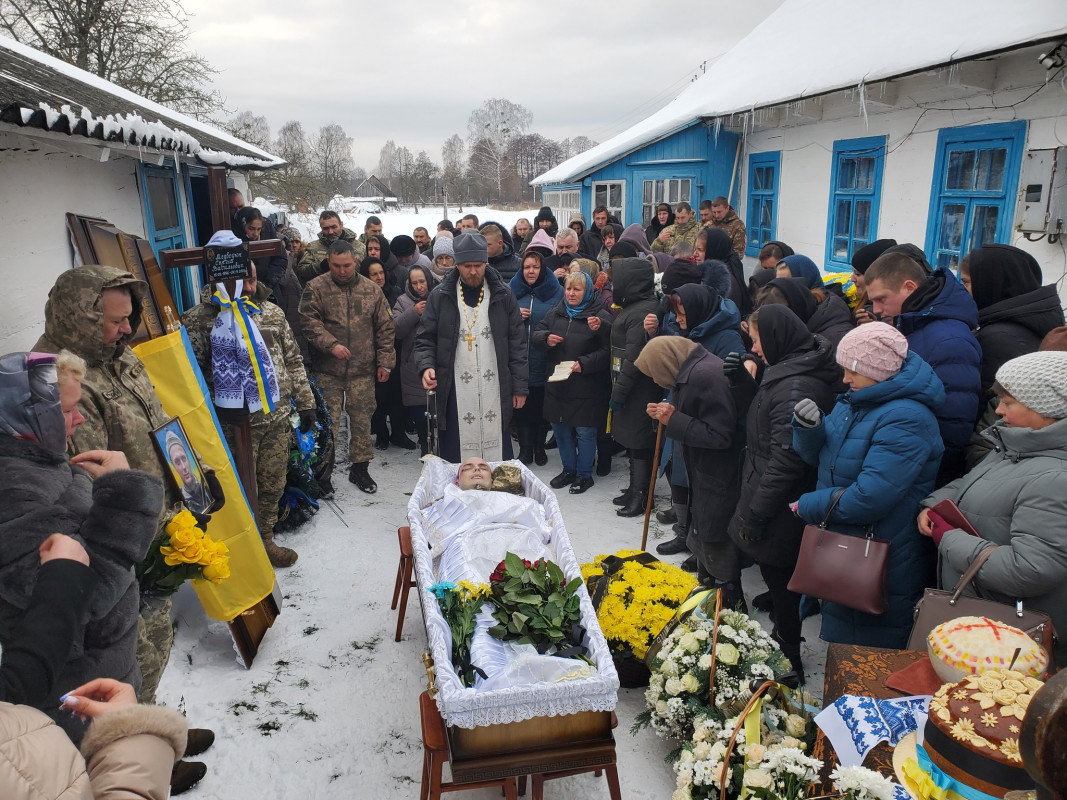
[184,552]
[637,597]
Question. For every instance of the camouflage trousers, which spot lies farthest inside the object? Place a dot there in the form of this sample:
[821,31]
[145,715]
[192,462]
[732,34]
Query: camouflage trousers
[270,459]
[155,637]
[355,397]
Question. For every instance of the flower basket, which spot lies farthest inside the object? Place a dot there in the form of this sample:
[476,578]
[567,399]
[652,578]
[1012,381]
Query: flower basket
[633,673]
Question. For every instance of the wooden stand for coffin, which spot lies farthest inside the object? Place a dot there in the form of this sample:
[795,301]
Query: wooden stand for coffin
[538,745]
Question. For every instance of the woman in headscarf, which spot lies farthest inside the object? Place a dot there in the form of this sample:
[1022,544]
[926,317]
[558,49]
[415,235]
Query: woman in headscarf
[406,315]
[577,329]
[537,290]
[663,217]
[702,315]
[720,248]
[1015,312]
[799,364]
[824,313]
[95,497]
[702,417]
[388,410]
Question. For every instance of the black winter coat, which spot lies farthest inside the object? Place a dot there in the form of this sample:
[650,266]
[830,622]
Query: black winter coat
[831,319]
[114,517]
[438,335]
[581,401]
[508,262]
[632,280]
[773,475]
[1013,328]
[705,424]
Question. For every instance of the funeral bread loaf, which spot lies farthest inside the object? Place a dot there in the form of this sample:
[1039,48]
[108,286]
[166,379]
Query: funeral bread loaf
[972,733]
[973,645]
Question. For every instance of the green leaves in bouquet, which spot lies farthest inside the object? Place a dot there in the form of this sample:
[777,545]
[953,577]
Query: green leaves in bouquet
[534,604]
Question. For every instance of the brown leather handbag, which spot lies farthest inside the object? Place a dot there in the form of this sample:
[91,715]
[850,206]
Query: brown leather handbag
[938,605]
[842,568]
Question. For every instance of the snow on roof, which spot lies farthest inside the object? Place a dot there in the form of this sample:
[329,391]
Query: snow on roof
[811,47]
[39,91]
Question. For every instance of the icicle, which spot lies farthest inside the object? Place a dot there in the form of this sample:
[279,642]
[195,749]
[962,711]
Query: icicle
[953,74]
[863,103]
[715,128]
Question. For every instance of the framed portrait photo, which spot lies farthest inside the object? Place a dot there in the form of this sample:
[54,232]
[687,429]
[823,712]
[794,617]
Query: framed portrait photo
[184,468]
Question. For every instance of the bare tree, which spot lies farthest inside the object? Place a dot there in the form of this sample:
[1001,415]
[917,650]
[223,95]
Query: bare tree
[453,165]
[531,155]
[579,144]
[139,44]
[330,159]
[489,130]
[387,165]
[252,128]
[293,181]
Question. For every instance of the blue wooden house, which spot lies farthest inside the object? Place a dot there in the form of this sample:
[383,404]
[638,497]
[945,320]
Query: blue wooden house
[939,124]
[689,164]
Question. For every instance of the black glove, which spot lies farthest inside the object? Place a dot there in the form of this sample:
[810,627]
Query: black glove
[201,519]
[307,420]
[732,365]
[753,530]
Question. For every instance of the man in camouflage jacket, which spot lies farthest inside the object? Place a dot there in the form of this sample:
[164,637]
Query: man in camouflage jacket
[685,229]
[312,261]
[349,331]
[270,429]
[725,218]
[93,311]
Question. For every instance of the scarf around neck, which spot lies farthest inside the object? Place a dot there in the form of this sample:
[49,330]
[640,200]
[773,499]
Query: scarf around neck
[240,361]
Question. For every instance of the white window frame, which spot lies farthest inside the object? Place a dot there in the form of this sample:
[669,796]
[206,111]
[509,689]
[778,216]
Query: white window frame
[666,193]
[564,203]
[617,211]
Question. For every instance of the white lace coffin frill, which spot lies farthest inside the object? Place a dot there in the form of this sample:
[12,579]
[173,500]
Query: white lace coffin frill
[471,708]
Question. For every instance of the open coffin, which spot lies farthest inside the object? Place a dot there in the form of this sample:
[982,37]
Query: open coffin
[469,708]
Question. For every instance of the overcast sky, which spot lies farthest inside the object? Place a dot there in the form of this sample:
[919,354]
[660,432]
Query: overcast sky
[409,71]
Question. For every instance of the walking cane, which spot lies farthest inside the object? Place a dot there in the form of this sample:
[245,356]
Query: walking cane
[652,485]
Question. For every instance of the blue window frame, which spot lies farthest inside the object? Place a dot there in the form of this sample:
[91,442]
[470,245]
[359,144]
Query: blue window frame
[855,192]
[976,176]
[165,228]
[762,217]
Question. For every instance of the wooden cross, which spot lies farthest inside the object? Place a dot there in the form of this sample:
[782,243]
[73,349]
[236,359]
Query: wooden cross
[248,628]
[469,339]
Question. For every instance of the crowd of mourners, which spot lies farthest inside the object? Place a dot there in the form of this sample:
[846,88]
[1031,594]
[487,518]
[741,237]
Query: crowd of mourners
[777,400]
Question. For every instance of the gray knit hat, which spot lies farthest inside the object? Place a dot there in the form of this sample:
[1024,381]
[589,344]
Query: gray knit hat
[1038,381]
[470,247]
[442,246]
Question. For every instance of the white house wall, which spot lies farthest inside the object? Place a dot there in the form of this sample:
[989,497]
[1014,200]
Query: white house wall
[38,186]
[912,131]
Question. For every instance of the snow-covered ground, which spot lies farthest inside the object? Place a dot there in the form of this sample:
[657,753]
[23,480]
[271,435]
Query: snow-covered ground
[329,709]
[394,223]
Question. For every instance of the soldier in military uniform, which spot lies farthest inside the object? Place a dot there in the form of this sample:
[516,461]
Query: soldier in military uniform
[312,261]
[93,311]
[685,229]
[270,429]
[348,327]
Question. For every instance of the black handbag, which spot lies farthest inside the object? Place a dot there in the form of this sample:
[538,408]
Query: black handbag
[840,567]
[937,606]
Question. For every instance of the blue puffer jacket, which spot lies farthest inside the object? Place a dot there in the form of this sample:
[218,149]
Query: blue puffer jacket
[881,443]
[938,320]
[721,334]
[540,300]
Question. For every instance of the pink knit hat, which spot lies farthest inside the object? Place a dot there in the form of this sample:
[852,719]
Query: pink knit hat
[875,350]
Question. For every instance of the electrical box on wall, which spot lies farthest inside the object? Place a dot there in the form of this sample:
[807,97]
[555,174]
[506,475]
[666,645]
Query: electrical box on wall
[1042,206]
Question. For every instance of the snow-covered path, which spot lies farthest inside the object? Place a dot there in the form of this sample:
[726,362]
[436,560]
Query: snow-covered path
[329,710]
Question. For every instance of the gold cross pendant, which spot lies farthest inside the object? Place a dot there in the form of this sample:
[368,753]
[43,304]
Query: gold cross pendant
[469,339]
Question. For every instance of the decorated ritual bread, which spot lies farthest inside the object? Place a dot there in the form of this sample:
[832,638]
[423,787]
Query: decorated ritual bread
[972,733]
[973,645]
